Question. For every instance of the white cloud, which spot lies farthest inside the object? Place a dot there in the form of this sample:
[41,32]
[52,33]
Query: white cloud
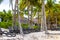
[4,7]
[57,1]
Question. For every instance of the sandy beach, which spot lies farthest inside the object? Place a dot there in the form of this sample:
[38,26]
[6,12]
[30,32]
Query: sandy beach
[34,36]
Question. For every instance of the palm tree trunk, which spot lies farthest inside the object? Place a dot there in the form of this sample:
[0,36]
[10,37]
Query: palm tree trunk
[21,31]
[49,27]
[11,3]
[38,18]
[31,15]
[42,24]
[28,16]
[44,17]
[14,16]
[30,10]
[56,21]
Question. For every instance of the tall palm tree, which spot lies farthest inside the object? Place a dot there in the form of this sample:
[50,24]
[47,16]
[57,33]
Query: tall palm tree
[21,31]
[44,16]
[16,10]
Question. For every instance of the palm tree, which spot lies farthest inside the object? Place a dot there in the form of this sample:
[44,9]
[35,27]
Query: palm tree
[21,31]
[16,10]
[30,7]
[49,6]
[55,11]
[44,17]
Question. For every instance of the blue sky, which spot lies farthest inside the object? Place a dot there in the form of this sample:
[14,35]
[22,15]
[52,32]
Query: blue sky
[5,5]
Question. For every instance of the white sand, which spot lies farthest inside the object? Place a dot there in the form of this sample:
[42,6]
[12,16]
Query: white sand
[33,36]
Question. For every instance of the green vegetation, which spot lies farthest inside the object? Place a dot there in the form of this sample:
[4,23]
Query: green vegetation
[6,19]
[52,11]
[25,26]
[36,27]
